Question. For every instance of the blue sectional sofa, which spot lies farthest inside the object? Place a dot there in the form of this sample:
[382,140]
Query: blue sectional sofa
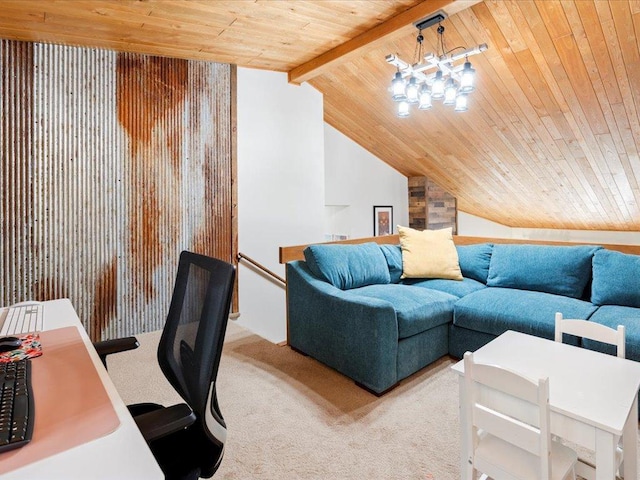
[349,308]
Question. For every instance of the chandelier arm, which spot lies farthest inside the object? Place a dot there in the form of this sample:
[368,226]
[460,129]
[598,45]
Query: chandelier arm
[397,62]
[421,77]
[422,68]
[432,62]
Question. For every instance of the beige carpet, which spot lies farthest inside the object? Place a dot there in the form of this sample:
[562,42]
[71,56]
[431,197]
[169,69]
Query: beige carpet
[290,417]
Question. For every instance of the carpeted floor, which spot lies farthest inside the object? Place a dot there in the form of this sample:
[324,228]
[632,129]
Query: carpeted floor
[290,417]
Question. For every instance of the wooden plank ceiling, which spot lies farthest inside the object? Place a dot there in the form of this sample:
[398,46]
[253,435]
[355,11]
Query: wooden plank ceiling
[552,134]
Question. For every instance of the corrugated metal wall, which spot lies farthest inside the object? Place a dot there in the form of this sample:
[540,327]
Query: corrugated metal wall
[111,165]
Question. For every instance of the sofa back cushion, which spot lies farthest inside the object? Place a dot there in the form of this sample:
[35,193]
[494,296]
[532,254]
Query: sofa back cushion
[616,279]
[544,268]
[348,266]
[393,254]
[474,260]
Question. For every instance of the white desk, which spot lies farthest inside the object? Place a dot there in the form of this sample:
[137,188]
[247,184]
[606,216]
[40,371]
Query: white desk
[593,397]
[123,454]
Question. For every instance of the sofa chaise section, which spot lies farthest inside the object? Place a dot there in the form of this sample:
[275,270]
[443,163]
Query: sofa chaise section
[343,311]
[356,335]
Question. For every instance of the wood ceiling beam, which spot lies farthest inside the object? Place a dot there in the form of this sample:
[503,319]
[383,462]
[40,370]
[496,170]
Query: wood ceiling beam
[316,66]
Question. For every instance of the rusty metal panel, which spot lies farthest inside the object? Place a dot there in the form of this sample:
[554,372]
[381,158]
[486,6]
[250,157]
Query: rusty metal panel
[111,165]
[77,157]
[16,135]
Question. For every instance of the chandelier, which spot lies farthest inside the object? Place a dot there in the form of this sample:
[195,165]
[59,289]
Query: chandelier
[451,83]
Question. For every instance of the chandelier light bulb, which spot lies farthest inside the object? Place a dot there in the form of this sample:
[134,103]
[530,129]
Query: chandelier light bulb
[467,78]
[462,103]
[412,90]
[403,109]
[437,88]
[450,93]
[398,88]
[424,102]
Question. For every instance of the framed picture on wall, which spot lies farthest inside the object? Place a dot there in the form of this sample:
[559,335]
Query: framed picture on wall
[382,220]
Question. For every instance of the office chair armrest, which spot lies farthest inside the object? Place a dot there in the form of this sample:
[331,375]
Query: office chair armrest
[116,345]
[161,422]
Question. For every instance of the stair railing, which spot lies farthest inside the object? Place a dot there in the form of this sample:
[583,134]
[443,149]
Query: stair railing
[275,276]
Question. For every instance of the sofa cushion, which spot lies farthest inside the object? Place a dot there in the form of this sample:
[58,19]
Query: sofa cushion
[393,254]
[348,266]
[543,268]
[616,279]
[612,316]
[429,254]
[495,310]
[452,287]
[417,309]
[474,260]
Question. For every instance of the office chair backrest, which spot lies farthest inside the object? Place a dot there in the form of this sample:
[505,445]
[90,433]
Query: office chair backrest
[191,343]
[592,331]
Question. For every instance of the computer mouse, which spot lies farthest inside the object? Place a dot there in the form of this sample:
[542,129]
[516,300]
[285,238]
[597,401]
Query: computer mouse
[9,343]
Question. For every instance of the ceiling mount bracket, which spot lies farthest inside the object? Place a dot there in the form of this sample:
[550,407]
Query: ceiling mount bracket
[432,20]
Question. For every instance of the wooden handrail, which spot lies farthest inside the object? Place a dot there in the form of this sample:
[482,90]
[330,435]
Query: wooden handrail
[242,256]
[288,254]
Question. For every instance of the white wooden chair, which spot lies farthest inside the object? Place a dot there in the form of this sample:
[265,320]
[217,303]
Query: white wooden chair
[592,331]
[506,446]
[599,333]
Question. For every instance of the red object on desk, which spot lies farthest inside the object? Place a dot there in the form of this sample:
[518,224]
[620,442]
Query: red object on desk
[71,405]
[31,347]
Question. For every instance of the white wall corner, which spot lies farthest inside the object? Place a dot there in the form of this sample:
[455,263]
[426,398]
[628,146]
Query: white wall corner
[356,181]
[280,187]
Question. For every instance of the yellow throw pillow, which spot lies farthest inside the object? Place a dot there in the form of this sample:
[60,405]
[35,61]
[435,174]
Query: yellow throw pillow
[429,254]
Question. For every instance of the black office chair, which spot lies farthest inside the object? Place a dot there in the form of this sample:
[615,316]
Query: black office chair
[188,439]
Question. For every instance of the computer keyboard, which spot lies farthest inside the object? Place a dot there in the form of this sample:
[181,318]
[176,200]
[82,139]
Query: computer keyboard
[23,319]
[16,405]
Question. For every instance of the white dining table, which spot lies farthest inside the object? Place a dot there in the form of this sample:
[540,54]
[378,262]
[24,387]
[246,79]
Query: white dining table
[593,397]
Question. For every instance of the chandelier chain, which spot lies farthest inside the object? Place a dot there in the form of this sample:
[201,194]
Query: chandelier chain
[441,45]
[417,51]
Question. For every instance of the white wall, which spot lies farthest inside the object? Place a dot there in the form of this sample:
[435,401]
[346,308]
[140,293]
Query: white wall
[355,181]
[280,187]
[474,226]
[287,158]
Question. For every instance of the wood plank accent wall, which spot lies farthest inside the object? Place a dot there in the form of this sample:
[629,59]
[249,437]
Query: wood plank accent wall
[431,206]
[112,163]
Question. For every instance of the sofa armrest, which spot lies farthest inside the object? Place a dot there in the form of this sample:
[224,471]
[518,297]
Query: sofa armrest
[356,335]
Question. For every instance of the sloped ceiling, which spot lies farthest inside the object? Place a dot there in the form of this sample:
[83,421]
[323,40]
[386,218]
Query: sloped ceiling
[552,134]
